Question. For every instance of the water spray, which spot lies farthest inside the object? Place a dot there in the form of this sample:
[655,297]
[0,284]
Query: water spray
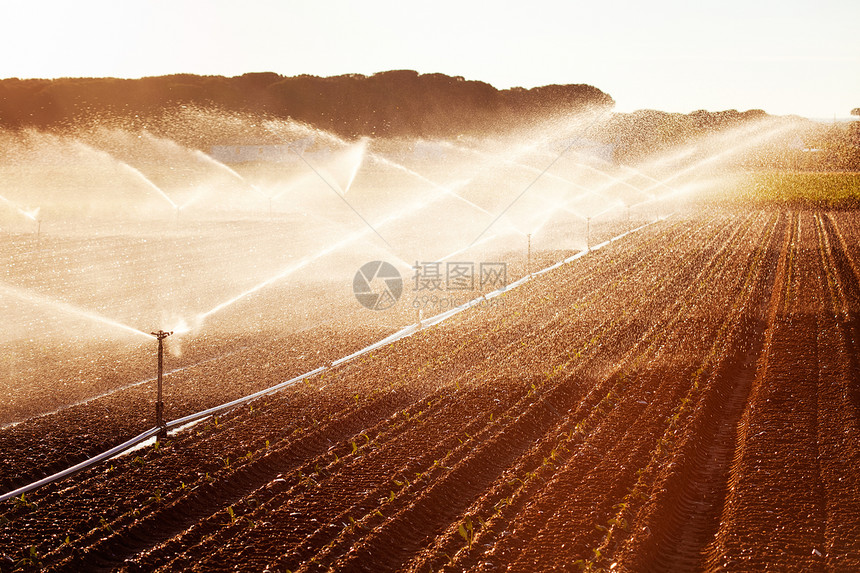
[486,239]
[209,160]
[159,405]
[31,214]
[748,143]
[324,252]
[513,162]
[444,189]
[362,146]
[33,297]
[132,171]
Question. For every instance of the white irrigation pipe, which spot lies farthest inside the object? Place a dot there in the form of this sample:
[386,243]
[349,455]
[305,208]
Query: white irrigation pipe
[490,295]
[403,333]
[117,450]
[83,465]
[239,401]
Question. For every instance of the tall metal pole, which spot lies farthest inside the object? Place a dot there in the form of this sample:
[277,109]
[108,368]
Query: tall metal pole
[159,405]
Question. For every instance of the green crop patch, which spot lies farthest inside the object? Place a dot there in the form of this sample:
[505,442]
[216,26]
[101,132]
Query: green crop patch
[794,188]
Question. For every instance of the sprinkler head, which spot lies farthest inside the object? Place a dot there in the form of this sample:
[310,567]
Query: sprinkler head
[161,335]
[180,327]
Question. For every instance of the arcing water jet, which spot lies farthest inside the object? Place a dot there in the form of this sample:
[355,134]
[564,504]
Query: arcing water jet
[352,238]
[30,214]
[206,158]
[132,171]
[66,308]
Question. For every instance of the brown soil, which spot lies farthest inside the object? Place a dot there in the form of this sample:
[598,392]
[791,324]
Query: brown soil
[685,399]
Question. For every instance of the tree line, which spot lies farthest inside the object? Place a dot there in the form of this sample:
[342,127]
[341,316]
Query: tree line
[399,103]
[393,103]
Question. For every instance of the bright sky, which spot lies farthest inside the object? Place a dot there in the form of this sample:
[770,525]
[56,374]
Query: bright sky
[786,56]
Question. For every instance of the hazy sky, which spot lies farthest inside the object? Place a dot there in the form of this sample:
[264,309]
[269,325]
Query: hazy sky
[785,57]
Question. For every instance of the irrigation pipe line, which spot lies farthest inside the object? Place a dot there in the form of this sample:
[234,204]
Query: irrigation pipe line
[403,333]
[117,450]
[81,466]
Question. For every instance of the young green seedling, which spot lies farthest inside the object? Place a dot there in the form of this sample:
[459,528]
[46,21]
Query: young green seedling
[466,530]
[105,525]
[22,502]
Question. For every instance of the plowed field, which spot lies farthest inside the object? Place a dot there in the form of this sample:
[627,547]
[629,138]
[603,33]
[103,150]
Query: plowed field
[684,399]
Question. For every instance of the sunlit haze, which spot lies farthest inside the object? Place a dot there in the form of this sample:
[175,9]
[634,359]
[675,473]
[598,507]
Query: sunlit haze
[788,57]
[438,286]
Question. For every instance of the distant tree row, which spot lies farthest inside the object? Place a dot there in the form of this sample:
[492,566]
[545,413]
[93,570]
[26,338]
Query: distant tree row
[400,103]
[646,133]
[394,103]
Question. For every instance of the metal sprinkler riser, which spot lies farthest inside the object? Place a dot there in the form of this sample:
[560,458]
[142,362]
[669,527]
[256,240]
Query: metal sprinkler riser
[159,405]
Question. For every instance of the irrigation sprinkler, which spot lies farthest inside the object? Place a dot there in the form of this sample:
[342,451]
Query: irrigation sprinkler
[588,233]
[159,405]
[529,255]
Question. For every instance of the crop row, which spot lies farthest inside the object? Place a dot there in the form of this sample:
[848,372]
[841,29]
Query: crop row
[669,402]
